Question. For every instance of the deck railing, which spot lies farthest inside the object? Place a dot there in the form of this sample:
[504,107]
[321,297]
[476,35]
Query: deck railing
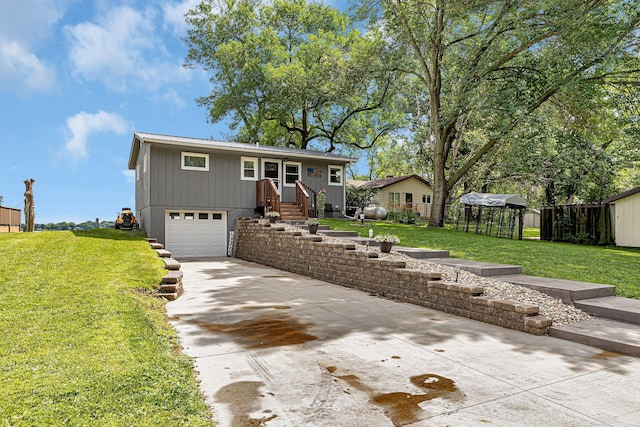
[312,199]
[267,195]
[302,198]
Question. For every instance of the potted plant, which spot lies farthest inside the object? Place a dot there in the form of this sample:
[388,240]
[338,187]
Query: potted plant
[272,216]
[386,241]
[312,224]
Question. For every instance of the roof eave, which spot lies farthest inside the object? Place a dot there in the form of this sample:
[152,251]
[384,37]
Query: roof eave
[307,155]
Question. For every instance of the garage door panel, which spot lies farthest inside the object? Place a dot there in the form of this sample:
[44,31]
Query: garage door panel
[196,233]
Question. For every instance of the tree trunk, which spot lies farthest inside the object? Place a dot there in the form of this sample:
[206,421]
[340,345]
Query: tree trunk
[440,192]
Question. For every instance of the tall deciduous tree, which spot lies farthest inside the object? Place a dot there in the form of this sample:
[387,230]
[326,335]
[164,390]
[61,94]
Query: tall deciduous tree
[289,72]
[490,65]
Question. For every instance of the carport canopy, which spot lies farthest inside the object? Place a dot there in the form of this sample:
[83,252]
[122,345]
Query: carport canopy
[488,199]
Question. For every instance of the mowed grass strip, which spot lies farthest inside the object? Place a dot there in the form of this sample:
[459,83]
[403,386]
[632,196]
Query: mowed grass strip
[597,264]
[83,342]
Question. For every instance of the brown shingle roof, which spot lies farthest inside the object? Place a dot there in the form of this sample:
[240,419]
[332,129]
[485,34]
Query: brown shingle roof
[381,183]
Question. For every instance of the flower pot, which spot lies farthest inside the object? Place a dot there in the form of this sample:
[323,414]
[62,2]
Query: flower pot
[385,247]
[313,228]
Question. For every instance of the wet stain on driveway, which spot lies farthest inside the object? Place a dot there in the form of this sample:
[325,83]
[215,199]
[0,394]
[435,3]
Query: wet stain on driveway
[265,331]
[403,408]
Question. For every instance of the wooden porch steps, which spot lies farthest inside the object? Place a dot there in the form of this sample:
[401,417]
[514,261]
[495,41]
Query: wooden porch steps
[290,212]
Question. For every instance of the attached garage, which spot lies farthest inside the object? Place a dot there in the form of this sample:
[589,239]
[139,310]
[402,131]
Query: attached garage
[191,233]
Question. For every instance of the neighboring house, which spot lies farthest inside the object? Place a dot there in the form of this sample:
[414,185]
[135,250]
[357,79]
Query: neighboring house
[402,192]
[625,217]
[10,220]
[190,191]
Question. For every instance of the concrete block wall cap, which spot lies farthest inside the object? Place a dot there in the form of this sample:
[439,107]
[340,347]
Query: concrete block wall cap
[483,300]
[528,309]
[538,321]
[467,289]
[173,276]
[437,284]
[310,238]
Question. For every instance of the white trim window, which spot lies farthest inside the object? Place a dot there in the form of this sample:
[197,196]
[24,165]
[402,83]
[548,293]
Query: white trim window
[194,161]
[335,175]
[249,168]
[292,171]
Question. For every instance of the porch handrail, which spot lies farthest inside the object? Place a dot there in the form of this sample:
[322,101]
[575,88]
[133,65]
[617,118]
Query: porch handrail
[267,195]
[302,198]
[312,204]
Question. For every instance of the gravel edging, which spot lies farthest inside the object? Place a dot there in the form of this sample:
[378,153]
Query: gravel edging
[553,308]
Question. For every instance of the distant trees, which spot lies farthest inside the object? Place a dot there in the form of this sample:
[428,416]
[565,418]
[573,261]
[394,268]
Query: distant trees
[540,96]
[488,66]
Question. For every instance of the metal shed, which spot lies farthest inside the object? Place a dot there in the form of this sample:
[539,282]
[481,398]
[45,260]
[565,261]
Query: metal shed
[500,215]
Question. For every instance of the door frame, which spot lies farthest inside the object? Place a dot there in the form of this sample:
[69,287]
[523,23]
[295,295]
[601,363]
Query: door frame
[263,170]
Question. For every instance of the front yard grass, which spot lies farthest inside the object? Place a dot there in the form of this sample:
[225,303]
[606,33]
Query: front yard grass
[596,264]
[83,342]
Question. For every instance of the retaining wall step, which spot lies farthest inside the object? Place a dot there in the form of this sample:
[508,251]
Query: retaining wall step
[170,287]
[566,290]
[152,240]
[173,276]
[483,269]
[171,264]
[156,245]
[607,334]
[615,308]
[163,253]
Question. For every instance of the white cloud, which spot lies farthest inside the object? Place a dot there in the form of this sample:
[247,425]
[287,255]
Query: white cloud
[22,71]
[23,24]
[83,125]
[174,14]
[123,50]
[29,21]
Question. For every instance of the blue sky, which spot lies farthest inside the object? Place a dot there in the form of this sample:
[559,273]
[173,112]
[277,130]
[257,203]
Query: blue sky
[77,78]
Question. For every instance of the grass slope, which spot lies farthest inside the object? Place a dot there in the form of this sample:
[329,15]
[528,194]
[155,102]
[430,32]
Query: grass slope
[597,264]
[82,341]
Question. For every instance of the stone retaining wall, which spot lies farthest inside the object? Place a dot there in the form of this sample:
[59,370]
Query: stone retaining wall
[342,264]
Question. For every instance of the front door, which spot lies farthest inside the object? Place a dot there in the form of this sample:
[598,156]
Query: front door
[271,169]
[409,200]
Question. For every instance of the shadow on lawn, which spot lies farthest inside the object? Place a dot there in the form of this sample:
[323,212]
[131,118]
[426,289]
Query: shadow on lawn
[111,234]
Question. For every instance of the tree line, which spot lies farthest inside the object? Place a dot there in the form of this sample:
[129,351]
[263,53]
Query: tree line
[538,98]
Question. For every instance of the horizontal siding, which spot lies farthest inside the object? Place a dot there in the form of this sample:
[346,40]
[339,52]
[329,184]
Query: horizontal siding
[627,221]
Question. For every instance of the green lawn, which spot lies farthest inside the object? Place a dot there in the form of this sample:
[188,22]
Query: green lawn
[83,341]
[610,265]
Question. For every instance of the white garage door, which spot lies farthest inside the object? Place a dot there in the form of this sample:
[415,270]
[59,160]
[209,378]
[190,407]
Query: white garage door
[196,233]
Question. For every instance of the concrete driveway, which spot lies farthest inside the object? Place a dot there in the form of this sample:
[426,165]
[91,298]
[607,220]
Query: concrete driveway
[277,349]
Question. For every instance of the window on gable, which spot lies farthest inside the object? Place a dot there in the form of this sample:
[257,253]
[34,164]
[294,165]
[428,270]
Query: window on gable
[249,168]
[292,173]
[195,161]
[335,175]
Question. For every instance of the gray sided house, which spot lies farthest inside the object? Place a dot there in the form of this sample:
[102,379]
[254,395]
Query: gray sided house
[190,191]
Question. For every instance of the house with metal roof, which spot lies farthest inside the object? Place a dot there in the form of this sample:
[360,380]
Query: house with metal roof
[189,191]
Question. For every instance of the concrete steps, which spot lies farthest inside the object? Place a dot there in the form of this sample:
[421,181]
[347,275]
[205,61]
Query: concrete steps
[615,308]
[566,290]
[607,334]
[340,234]
[480,268]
